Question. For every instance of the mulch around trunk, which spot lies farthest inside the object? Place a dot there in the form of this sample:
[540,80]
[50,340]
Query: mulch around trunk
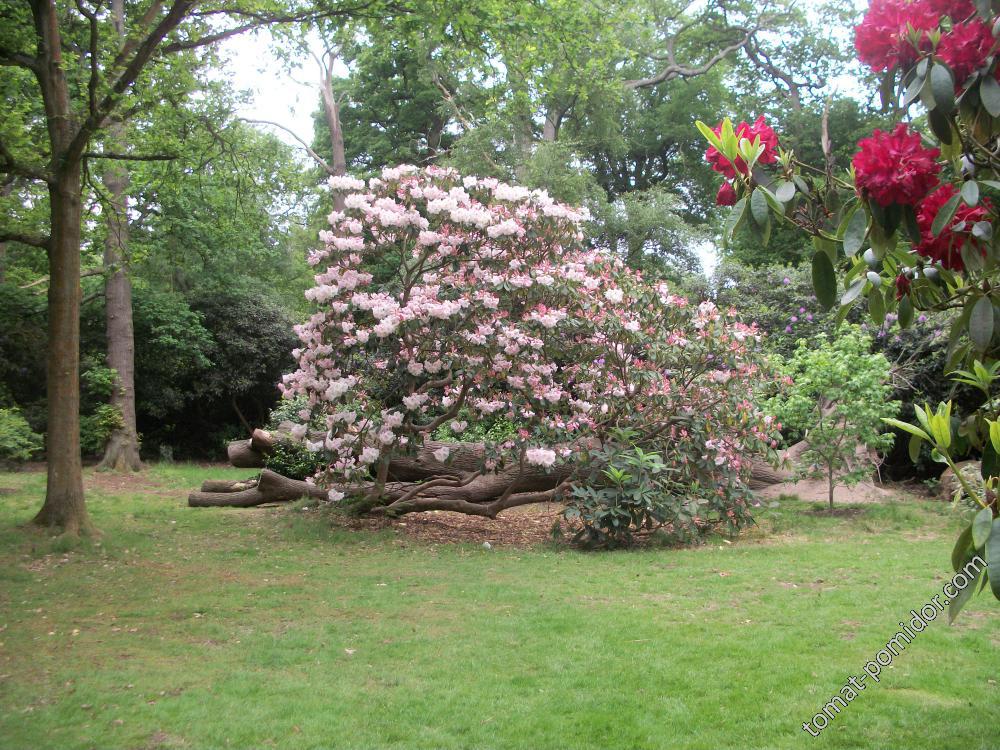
[517,527]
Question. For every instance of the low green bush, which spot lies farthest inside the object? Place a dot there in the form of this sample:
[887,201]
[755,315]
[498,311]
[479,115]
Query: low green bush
[18,442]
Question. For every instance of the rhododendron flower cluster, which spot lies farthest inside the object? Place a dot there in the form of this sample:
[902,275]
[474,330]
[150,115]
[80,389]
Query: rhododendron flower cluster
[895,168]
[893,32]
[946,248]
[759,129]
[466,295]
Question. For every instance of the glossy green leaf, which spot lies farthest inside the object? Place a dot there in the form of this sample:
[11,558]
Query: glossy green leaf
[962,548]
[785,191]
[759,209]
[853,292]
[982,525]
[989,466]
[943,89]
[970,192]
[981,323]
[959,602]
[993,558]
[989,95]
[941,126]
[824,279]
[905,312]
[945,214]
[854,235]
[907,427]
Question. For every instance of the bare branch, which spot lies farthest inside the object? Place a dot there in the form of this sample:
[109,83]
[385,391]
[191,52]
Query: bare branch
[83,275]
[308,149]
[673,69]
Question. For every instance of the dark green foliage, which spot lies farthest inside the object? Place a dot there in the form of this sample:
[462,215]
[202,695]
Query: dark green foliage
[628,491]
[18,442]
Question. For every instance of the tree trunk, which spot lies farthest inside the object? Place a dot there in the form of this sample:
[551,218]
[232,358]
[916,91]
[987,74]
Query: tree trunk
[5,191]
[64,504]
[122,451]
[270,488]
[830,484]
[331,110]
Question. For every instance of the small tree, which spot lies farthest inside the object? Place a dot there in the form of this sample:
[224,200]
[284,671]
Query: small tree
[838,396]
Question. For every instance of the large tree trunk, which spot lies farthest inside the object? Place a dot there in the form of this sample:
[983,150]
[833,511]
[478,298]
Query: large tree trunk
[122,451]
[270,488]
[64,505]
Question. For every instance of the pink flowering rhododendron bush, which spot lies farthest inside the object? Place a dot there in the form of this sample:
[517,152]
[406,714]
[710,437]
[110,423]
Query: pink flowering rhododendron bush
[911,227]
[443,301]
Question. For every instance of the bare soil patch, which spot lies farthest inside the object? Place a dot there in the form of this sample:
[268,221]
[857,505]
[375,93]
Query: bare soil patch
[517,527]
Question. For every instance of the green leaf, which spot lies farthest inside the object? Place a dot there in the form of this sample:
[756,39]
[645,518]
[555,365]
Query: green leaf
[962,599]
[941,126]
[759,209]
[989,94]
[785,191]
[945,215]
[876,306]
[993,558]
[970,192]
[824,279]
[981,323]
[990,464]
[913,90]
[854,235]
[907,427]
[734,219]
[961,549]
[943,89]
[905,311]
[982,525]
[853,291]
[914,448]
[710,135]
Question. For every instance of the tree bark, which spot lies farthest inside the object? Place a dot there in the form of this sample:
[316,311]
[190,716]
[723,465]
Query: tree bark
[122,451]
[243,456]
[271,488]
[64,504]
[331,110]
[5,190]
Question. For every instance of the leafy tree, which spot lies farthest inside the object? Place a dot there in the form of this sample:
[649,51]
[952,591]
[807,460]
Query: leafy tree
[84,73]
[838,397]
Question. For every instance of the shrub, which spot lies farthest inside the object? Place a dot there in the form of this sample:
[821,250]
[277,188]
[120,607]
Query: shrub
[837,397]
[17,440]
[498,307]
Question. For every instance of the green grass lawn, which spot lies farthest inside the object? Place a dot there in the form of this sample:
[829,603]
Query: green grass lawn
[221,628]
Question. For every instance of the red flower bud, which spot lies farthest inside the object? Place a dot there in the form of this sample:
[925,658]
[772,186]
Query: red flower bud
[726,195]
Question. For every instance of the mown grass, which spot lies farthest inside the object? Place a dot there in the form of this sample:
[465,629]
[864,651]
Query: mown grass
[217,628]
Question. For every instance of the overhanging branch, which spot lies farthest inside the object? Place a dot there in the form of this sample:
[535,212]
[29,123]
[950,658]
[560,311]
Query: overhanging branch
[26,238]
[129,157]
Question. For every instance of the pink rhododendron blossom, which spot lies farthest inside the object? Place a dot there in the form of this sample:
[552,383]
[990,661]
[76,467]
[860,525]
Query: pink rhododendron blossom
[499,309]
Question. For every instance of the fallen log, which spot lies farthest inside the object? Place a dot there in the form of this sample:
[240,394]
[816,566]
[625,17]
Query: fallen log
[243,456]
[224,485]
[270,488]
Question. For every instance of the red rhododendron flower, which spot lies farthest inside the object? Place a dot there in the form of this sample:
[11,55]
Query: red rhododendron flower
[726,195]
[957,10]
[895,168]
[946,248]
[882,39]
[902,286]
[965,48]
[768,138]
